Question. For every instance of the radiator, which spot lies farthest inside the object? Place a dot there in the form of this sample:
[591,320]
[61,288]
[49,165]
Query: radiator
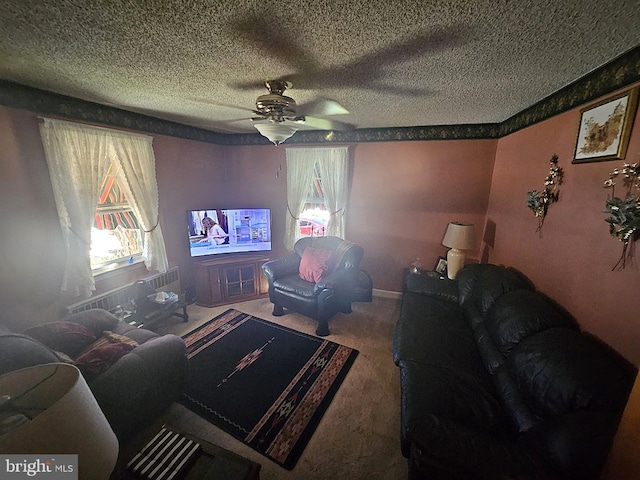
[167,282]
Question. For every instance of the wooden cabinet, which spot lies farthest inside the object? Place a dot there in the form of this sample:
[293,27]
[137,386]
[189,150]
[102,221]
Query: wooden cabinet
[228,280]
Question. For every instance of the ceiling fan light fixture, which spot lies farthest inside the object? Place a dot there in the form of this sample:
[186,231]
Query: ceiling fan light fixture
[276,132]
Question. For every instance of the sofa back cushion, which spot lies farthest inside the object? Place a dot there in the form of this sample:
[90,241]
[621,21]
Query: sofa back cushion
[480,285]
[561,370]
[97,320]
[519,314]
[513,317]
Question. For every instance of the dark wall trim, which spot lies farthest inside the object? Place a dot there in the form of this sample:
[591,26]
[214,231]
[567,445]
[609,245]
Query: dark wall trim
[622,71]
[51,104]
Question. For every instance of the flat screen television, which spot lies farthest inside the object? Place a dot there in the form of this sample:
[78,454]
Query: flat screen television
[216,232]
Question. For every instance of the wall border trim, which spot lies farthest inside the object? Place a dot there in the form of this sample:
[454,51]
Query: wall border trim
[620,72]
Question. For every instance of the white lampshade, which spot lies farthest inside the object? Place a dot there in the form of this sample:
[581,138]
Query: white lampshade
[63,418]
[459,237]
[276,132]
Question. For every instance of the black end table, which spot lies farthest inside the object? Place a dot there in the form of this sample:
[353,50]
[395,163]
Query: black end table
[430,283]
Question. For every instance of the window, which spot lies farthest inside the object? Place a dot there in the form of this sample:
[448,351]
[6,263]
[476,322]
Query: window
[82,162]
[317,192]
[315,215]
[116,236]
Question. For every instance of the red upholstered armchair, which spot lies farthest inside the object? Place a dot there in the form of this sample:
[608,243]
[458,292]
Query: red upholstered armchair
[319,279]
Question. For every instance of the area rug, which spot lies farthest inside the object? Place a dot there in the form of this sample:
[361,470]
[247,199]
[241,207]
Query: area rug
[265,384]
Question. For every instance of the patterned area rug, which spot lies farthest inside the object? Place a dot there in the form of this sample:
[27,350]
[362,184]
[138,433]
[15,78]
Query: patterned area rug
[265,384]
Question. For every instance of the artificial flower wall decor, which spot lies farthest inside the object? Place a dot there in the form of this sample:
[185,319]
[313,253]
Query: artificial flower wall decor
[539,201]
[624,212]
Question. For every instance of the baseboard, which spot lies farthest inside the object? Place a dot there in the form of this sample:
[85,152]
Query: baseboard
[386,294]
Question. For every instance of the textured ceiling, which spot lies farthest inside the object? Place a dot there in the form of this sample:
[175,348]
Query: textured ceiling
[390,63]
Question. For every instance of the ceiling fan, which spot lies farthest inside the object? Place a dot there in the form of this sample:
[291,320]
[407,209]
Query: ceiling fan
[278,116]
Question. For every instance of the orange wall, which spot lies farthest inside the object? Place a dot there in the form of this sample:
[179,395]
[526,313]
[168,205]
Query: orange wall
[191,175]
[194,175]
[405,193]
[572,261]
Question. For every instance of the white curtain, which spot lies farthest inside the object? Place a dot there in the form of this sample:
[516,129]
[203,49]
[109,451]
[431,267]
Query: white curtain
[299,176]
[138,180]
[78,157]
[333,164]
[334,171]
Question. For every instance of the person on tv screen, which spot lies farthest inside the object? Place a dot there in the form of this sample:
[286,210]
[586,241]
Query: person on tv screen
[213,231]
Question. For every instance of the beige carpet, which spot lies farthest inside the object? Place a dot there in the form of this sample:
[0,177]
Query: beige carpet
[358,437]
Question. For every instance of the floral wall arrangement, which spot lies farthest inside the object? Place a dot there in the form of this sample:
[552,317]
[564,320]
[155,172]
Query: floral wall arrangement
[538,201]
[624,211]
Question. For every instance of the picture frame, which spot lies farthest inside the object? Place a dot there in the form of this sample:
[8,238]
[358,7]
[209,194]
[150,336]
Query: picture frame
[441,266]
[605,128]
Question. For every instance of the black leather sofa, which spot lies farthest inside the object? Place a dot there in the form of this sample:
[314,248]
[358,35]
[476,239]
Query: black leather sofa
[499,382]
[132,391]
[322,299]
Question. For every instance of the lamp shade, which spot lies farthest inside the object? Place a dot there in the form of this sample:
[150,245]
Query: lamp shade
[461,236]
[276,132]
[61,416]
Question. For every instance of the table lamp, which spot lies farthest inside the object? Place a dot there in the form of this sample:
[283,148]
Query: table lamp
[458,237]
[47,410]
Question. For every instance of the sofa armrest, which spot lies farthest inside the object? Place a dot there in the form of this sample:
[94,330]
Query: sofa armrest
[141,384]
[282,267]
[343,278]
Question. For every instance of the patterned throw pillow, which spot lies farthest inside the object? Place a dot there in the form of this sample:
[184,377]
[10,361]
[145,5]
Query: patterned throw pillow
[103,353]
[66,337]
[117,338]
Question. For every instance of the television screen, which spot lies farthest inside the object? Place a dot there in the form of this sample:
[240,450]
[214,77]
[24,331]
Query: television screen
[213,232]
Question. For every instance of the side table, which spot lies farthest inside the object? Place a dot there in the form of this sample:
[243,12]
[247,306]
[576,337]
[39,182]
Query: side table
[150,313]
[154,312]
[430,283]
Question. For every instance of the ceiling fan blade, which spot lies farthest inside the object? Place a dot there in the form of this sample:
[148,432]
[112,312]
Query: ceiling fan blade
[251,119]
[322,107]
[326,124]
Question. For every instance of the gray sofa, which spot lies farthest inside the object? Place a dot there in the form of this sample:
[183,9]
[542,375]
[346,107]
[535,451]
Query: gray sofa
[146,378]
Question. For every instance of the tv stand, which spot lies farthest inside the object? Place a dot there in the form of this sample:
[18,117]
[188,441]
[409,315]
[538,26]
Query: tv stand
[228,280]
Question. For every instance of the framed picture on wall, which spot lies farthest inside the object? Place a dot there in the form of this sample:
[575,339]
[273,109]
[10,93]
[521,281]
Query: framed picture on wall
[441,266]
[605,128]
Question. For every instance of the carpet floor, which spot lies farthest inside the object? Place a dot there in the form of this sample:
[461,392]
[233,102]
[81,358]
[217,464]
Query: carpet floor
[358,437]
